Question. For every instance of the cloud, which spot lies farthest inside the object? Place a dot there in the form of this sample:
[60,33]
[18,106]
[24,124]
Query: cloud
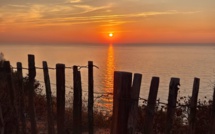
[108,20]
[76,14]
[41,13]
[171,12]
[59,12]
[74,1]
[24,2]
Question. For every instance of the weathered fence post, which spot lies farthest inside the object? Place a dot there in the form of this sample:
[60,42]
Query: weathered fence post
[10,83]
[21,96]
[90,97]
[193,104]
[32,75]
[60,73]
[150,109]
[12,93]
[121,102]
[212,126]
[172,99]
[135,92]
[1,121]
[49,99]
[77,102]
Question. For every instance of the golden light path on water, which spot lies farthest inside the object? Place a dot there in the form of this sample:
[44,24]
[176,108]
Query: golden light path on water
[108,78]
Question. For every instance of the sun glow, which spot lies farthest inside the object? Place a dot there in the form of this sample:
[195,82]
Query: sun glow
[110,34]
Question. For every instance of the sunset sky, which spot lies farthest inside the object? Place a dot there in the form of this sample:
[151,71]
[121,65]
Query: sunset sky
[91,21]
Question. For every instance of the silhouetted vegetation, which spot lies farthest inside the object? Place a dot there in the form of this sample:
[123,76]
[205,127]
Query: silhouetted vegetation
[180,123]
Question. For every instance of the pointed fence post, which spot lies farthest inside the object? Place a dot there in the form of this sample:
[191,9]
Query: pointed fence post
[121,102]
[21,95]
[172,99]
[135,92]
[49,99]
[150,109]
[77,102]
[90,98]
[60,73]
[32,75]
[193,105]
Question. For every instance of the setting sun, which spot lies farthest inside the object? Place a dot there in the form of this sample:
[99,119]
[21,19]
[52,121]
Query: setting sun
[110,34]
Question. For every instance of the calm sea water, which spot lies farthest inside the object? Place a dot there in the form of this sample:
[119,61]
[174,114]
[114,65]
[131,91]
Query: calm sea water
[164,61]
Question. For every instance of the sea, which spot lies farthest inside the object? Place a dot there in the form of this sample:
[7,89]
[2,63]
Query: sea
[184,61]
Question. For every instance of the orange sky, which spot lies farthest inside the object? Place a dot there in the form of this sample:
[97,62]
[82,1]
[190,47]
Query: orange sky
[90,21]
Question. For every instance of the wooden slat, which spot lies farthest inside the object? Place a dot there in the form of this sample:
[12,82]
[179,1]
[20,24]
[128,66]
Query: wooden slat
[21,94]
[121,105]
[48,98]
[90,97]
[172,99]
[60,74]
[135,92]
[193,105]
[150,109]
[32,75]
[77,101]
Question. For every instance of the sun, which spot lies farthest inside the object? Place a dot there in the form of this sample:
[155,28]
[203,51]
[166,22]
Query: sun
[110,34]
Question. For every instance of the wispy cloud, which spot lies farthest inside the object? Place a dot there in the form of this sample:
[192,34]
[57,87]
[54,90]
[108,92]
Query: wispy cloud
[170,12]
[74,1]
[76,12]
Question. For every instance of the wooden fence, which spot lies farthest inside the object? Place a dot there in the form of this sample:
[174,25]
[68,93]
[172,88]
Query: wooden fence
[125,104]
[6,71]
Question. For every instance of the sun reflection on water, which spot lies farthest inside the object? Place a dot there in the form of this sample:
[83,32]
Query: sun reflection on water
[108,78]
[109,70]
